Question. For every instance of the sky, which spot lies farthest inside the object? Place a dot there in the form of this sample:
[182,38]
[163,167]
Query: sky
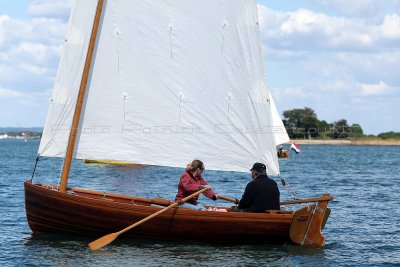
[340,58]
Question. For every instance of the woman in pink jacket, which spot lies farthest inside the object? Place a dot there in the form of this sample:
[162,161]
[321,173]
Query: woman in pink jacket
[191,182]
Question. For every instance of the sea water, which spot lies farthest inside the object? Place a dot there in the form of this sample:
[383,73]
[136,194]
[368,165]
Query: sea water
[362,230]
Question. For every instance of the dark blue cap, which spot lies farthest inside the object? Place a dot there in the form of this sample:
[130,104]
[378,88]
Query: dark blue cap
[259,167]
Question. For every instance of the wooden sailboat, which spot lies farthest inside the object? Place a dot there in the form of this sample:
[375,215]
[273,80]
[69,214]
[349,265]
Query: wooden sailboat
[283,153]
[162,83]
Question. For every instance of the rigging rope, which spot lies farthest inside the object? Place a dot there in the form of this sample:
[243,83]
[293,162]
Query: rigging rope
[288,188]
[34,168]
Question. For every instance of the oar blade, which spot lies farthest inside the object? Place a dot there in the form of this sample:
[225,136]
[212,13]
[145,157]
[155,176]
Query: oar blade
[103,241]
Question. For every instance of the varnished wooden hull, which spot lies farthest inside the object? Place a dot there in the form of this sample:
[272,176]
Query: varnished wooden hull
[86,212]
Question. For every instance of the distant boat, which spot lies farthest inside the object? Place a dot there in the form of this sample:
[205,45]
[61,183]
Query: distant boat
[26,136]
[162,83]
[282,153]
[4,136]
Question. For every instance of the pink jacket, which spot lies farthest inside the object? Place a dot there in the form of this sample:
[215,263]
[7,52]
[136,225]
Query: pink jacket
[189,185]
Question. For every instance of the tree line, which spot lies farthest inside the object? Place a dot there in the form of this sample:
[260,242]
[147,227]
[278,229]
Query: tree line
[304,123]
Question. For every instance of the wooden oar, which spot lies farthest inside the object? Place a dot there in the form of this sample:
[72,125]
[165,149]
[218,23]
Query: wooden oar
[103,241]
[307,200]
[233,200]
[296,201]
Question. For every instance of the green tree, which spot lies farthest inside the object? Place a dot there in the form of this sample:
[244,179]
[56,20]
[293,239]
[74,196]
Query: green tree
[389,135]
[323,129]
[340,129]
[301,123]
[356,130]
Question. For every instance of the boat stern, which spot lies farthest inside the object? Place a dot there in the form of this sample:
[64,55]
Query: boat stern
[308,222]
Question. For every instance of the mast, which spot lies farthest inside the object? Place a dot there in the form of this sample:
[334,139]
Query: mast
[79,102]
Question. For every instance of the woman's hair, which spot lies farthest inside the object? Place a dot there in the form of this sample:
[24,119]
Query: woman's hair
[194,165]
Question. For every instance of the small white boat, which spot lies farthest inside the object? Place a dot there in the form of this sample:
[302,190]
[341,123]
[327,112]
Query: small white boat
[4,136]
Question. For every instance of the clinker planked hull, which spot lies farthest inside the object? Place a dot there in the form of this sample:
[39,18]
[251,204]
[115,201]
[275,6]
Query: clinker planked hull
[93,213]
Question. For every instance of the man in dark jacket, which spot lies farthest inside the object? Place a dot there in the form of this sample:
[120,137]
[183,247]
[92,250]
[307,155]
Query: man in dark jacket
[261,194]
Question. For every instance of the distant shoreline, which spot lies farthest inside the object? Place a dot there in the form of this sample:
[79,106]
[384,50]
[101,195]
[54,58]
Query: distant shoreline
[360,142]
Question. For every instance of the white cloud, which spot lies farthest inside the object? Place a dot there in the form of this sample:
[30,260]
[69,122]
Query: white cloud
[278,54]
[391,27]
[371,67]
[30,50]
[336,86]
[354,8]
[332,63]
[3,21]
[34,69]
[374,89]
[48,31]
[50,9]
[37,51]
[6,93]
[310,31]
[20,99]
[281,93]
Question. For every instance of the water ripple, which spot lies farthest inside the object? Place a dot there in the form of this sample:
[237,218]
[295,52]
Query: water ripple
[363,229]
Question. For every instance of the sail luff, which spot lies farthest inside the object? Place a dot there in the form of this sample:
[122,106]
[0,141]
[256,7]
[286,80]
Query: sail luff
[79,103]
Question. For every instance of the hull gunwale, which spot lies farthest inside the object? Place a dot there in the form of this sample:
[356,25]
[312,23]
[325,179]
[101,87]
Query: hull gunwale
[49,210]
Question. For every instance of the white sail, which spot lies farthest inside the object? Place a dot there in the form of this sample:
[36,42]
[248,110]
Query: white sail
[170,81]
[281,135]
[63,101]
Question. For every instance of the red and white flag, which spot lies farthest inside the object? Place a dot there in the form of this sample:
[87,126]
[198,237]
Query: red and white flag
[295,147]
